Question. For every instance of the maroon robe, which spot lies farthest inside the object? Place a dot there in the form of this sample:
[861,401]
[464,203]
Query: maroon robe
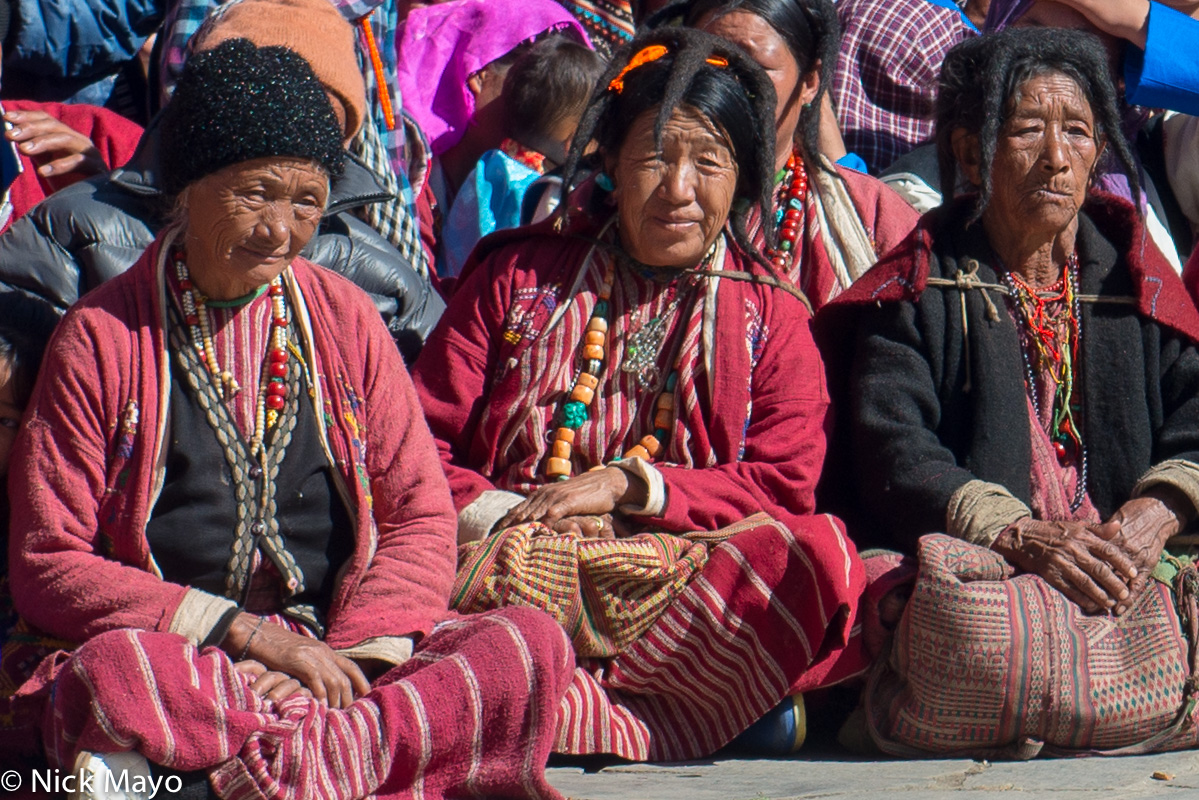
[774,604]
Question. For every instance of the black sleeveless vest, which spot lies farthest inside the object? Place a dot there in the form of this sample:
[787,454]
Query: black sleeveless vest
[199,518]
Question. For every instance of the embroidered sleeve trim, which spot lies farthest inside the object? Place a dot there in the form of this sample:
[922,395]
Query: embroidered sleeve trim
[979,511]
[477,519]
[395,650]
[656,503]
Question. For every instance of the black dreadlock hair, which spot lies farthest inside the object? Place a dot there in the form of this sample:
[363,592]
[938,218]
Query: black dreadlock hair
[812,33]
[980,85]
[672,13]
[738,100]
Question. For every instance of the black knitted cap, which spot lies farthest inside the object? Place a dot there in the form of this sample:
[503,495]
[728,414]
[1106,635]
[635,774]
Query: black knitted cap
[238,102]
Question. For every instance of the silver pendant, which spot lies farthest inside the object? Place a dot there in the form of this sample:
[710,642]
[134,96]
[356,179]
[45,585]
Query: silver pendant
[641,352]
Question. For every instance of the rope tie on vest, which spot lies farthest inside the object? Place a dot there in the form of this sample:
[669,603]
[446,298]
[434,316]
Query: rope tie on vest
[965,281]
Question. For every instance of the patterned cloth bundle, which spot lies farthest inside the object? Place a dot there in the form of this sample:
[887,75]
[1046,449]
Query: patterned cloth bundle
[605,593]
[990,664]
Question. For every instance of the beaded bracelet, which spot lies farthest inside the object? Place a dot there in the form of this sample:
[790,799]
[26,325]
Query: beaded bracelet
[253,633]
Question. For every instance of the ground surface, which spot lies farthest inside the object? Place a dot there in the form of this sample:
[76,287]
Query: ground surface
[830,776]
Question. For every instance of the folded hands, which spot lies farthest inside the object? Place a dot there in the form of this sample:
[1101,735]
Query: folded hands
[1103,567]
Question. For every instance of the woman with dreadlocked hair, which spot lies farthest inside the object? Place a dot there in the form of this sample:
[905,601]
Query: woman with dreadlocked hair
[631,413]
[1026,380]
[833,222]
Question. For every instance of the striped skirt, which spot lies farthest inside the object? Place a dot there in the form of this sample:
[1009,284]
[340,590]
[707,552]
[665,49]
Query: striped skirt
[471,714]
[765,613]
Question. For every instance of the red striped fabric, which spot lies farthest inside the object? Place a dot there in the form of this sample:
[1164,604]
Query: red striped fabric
[623,409]
[471,714]
[769,615]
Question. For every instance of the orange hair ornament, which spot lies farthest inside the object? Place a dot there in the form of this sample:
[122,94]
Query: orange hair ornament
[652,53]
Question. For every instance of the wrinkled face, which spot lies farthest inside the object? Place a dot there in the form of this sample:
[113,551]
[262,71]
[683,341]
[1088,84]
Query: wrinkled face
[10,416]
[672,202]
[248,221]
[764,45]
[1044,156]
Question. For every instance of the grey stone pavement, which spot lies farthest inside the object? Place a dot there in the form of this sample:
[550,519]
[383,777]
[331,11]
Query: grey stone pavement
[828,775]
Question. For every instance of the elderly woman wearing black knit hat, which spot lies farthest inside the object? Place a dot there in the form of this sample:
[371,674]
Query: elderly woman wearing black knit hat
[249,536]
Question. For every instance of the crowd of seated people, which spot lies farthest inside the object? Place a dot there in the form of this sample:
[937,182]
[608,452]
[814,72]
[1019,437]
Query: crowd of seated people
[394,394]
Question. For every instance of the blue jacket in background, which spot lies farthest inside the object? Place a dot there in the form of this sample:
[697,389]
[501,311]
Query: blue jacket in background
[69,50]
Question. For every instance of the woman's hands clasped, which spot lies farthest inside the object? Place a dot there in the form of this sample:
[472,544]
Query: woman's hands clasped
[584,505]
[1141,527]
[284,663]
[1090,570]
[1101,567]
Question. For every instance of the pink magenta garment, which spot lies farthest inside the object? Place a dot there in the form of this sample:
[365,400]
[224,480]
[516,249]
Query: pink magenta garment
[442,45]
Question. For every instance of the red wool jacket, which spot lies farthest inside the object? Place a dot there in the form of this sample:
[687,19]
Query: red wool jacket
[768,462]
[83,485]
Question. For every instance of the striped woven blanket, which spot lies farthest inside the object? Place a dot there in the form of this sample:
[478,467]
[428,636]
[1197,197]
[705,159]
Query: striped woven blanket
[606,593]
[710,631]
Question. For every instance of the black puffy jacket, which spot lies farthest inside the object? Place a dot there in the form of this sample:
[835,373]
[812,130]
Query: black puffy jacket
[81,236]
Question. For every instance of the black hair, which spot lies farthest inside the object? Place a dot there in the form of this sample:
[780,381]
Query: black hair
[670,14]
[737,99]
[980,86]
[550,82]
[25,329]
[812,33]
[504,63]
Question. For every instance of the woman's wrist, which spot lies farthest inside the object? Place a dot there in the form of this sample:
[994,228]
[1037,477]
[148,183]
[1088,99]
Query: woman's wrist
[237,642]
[1010,542]
[1171,506]
[630,489]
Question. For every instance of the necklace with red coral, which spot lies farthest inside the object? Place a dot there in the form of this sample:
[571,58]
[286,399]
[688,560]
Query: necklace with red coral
[789,216]
[1053,322]
[272,392]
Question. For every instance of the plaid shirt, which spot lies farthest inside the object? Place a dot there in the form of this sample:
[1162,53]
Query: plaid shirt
[885,82]
[395,221]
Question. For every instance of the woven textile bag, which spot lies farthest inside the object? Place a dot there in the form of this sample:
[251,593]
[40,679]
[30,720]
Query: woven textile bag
[604,592]
[989,664]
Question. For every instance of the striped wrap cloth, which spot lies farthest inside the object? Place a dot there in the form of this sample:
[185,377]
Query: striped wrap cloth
[605,593]
[721,626]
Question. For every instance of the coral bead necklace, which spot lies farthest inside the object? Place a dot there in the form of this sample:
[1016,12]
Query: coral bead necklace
[272,390]
[789,216]
[574,412]
[1053,324]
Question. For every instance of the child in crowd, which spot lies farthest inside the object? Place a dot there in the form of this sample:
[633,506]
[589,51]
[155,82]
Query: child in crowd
[25,328]
[543,98]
